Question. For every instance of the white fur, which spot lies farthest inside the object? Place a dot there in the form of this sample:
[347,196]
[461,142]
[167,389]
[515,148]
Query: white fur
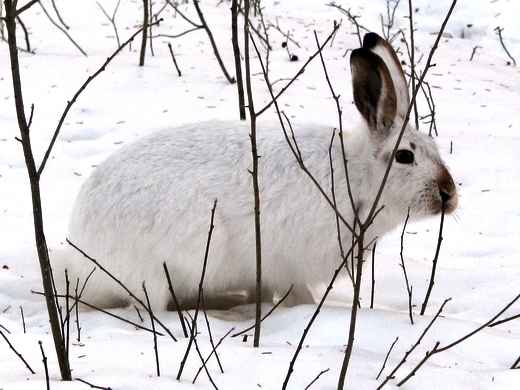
[150,202]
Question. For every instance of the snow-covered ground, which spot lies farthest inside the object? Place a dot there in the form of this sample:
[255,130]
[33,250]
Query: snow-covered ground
[478,105]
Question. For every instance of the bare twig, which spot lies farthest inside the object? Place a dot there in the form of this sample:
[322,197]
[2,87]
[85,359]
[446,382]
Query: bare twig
[144,29]
[192,328]
[25,34]
[499,30]
[25,7]
[352,19]
[193,332]
[16,352]
[386,358]
[373,285]
[71,102]
[92,386]
[156,351]
[213,351]
[254,175]
[505,320]
[121,284]
[516,364]
[434,265]
[64,31]
[112,19]
[408,286]
[59,15]
[474,51]
[175,301]
[44,360]
[210,334]
[96,308]
[403,360]
[238,63]
[316,378]
[266,314]
[23,319]
[436,349]
[412,62]
[174,60]
[229,78]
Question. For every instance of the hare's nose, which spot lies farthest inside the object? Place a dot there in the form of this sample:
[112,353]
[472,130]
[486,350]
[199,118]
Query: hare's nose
[447,189]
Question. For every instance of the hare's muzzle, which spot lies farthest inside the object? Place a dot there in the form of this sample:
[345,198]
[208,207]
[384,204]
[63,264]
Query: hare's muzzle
[447,191]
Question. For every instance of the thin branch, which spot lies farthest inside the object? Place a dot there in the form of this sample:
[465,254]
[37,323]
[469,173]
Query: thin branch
[316,378]
[64,31]
[175,301]
[71,102]
[91,385]
[213,351]
[434,265]
[59,15]
[499,30]
[407,353]
[23,319]
[199,298]
[210,334]
[408,286]
[267,314]
[25,7]
[174,60]
[505,320]
[16,352]
[193,332]
[373,285]
[96,308]
[412,62]
[111,19]
[44,360]
[386,358]
[238,64]
[144,29]
[156,351]
[229,78]
[121,284]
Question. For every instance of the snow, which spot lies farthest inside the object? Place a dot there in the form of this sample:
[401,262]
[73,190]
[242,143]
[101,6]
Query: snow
[477,112]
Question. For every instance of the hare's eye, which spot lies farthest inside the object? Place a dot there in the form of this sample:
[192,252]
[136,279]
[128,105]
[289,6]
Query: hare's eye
[404,156]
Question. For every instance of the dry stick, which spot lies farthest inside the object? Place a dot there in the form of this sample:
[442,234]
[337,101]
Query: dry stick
[121,284]
[25,7]
[254,175]
[59,15]
[407,353]
[64,31]
[93,307]
[150,15]
[313,318]
[316,378]
[23,319]
[139,313]
[201,284]
[516,364]
[386,358]
[193,331]
[156,351]
[213,351]
[474,51]
[174,60]
[39,234]
[352,19]
[499,30]
[76,297]
[111,19]
[238,64]
[175,301]
[67,310]
[436,349]
[264,39]
[71,102]
[267,314]
[5,329]
[144,36]
[229,78]
[15,351]
[505,320]
[286,35]
[408,287]
[373,286]
[298,73]
[25,33]
[44,360]
[412,62]
[210,334]
[91,385]
[434,265]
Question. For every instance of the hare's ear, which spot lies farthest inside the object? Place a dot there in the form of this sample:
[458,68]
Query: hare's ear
[374,92]
[383,49]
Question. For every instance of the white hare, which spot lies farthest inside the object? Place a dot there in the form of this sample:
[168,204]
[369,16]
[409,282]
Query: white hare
[150,202]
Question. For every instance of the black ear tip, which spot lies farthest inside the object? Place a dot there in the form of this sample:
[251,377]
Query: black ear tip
[370,40]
